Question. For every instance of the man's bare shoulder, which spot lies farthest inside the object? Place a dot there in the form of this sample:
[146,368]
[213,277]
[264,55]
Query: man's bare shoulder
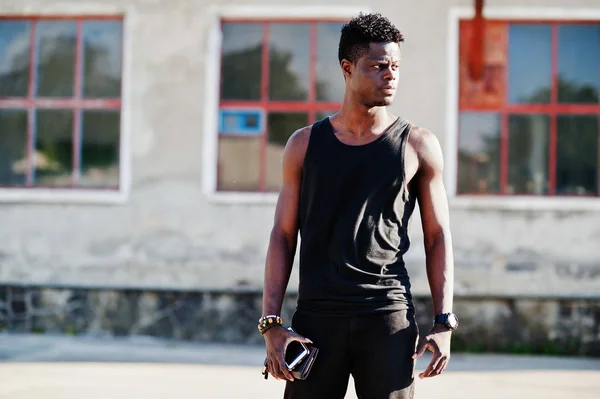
[427,147]
[297,144]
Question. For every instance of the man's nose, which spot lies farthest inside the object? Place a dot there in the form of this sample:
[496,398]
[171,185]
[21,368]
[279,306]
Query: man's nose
[389,74]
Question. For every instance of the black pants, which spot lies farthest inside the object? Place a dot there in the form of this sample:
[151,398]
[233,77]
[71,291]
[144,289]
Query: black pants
[375,349]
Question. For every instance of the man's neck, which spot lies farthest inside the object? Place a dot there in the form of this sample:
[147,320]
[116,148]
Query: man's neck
[359,120]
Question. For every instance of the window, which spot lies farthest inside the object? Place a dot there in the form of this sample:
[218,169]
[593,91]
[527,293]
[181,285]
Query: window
[60,102]
[276,77]
[531,125]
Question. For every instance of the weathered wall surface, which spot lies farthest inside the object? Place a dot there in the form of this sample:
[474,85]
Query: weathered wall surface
[169,235]
[549,326]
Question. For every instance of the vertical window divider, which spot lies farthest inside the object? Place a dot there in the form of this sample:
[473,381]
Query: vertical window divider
[312,80]
[553,115]
[504,127]
[31,92]
[77,111]
[504,116]
[264,100]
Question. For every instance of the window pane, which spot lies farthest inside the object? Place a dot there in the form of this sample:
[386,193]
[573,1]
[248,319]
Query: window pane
[241,63]
[479,153]
[100,149]
[102,59]
[280,128]
[13,147]
[289,58]
[239,163]
[53,159]
[530,63]
[528,154]
[14,58]
[330,80]
[56,58]
[579,63]
[577,155]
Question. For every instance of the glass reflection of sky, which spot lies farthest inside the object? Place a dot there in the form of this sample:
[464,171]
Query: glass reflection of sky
[242,36]
[579,54]
[14,41]
[106,36]
[530,57]
[328,67]
[295,40]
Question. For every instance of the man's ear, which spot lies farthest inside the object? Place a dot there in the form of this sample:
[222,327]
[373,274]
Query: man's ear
[347,68]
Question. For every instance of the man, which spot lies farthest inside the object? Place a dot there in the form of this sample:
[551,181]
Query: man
[350,185]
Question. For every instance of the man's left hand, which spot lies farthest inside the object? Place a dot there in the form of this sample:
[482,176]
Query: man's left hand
[438,342]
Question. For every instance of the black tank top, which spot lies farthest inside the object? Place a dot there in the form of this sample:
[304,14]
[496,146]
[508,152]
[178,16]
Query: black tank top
[353,220]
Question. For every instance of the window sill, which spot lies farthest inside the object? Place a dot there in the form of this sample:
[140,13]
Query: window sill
[63,196]
[469,202]
[522,203]
[243,198]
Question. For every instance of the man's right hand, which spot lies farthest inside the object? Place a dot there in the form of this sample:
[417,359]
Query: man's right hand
[277,339]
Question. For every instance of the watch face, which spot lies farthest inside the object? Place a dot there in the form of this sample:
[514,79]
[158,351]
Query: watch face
[452,320]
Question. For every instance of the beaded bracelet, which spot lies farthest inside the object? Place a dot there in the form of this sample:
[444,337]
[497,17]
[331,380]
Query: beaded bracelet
[267,322]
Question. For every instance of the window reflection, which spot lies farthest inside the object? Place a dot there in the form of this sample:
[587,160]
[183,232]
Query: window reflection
[579,63]
[100,149]
[53,157]
[330,80]
[530,49]
[280,128]
[289,61]
[102,59]
[528,138]
[14,165]
[577,155]
[241,61]
[56,58]
[479,153]
[14,58]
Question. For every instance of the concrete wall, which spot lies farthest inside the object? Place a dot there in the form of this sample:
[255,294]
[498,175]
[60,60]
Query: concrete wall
[169,234]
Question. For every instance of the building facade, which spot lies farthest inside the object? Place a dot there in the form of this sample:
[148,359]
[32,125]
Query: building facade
[141,145]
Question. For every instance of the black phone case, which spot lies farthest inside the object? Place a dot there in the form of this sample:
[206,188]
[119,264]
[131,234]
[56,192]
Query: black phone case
[302,369]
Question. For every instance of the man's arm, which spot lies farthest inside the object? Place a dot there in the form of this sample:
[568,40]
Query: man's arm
[283,239]
[281,251]
[433,205]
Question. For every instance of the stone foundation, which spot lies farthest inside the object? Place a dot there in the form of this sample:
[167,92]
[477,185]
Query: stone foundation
[550,326]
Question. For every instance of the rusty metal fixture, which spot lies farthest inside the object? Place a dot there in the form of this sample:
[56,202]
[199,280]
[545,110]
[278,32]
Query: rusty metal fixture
[477,45]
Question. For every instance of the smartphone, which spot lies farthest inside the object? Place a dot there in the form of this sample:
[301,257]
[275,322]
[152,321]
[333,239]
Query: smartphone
[295,353]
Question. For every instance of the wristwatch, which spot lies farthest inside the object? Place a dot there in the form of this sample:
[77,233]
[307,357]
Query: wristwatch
[448,319]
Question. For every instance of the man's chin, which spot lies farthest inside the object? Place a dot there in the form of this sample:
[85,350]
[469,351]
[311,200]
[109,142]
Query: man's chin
[384,102]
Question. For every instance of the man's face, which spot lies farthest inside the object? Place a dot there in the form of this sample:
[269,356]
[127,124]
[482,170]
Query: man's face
[374,77]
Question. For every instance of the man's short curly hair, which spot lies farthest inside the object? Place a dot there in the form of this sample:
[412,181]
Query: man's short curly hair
[363,30]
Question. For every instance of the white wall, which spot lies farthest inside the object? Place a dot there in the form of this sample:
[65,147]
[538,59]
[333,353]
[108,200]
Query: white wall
[169,233]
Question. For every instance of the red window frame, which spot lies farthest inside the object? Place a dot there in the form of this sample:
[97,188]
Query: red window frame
[310,106]
[76,103]
[552,109]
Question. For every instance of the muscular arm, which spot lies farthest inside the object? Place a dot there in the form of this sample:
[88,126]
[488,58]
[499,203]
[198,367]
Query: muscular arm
[283,239]
[433,205]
